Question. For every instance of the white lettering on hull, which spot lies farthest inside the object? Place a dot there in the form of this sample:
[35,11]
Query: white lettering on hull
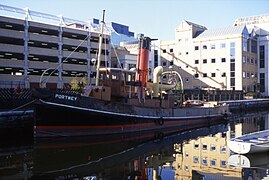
[65,97]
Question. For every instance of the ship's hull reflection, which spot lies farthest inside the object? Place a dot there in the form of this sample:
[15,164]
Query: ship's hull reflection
[108,157]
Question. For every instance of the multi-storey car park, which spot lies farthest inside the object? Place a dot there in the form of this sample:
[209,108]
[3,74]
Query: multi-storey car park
[56,49]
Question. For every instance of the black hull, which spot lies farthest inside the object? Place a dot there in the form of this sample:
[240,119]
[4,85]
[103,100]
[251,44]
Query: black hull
[58,119]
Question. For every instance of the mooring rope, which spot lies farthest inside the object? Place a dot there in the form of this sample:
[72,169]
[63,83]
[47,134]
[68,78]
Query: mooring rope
[21,106]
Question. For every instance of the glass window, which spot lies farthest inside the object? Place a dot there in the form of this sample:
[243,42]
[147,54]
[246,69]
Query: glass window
[262,54]
[254,46]
[195,159]
[244,44]
[244,59]
[232,82]
[196,61]
[213,46]
[262,82]
[204,74]
[213,60]
[204,161]
[196,146]
[204,47]
[213,162]
[171,50]
[196,48]
[204,147]
[223,59]
[223,163]
[223,149]
[232,66]
[222,45]
[164,50]
[232,52]
[213,147]
[213,74]
[204,61]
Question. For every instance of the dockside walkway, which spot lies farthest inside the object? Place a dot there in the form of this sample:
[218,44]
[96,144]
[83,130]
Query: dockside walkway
[236,106]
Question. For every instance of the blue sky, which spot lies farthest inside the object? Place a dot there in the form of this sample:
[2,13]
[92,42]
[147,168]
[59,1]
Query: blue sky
[154,18]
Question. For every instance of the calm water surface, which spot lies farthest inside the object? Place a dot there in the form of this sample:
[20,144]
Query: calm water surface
[194,154]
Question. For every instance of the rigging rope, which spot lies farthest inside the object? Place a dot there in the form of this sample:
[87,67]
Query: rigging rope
[47,78]
[22,106]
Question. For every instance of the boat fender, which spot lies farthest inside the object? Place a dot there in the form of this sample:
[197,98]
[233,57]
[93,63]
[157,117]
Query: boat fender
[161,121]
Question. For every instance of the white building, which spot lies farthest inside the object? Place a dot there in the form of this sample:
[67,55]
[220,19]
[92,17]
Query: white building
[259,28]
[232,58]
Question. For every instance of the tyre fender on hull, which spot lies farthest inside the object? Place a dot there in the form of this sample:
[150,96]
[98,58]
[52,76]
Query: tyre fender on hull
[161,121]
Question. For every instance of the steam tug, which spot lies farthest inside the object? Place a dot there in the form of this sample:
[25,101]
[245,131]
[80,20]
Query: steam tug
[121,101]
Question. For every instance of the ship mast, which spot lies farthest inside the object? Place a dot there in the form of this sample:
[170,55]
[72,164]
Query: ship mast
[100,50]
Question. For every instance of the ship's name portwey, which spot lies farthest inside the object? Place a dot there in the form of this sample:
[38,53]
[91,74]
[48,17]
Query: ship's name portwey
[65,97]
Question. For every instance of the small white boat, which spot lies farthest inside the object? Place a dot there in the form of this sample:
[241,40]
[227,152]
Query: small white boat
[250,143]
[239,160]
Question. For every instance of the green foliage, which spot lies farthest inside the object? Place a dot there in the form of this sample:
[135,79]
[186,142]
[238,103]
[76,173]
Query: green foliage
[178,86]
[74,84]
[78,85]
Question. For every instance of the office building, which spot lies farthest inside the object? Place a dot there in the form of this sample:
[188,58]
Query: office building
[231,58]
